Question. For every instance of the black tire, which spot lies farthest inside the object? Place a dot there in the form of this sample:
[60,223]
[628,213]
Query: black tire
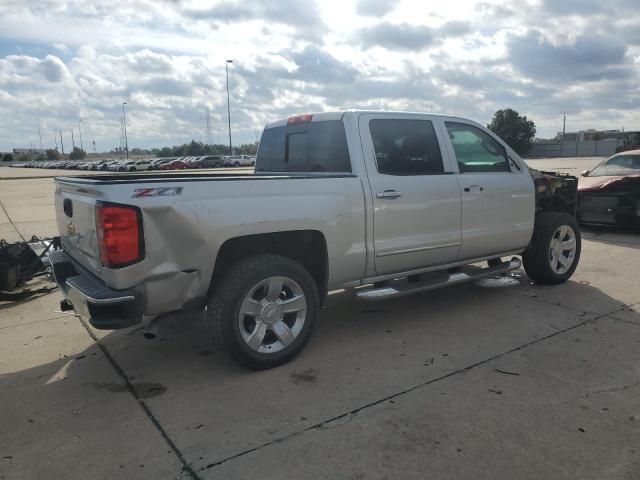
[223,308]
[537,258]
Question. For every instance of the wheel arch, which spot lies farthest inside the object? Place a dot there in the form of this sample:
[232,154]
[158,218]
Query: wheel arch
[307,247]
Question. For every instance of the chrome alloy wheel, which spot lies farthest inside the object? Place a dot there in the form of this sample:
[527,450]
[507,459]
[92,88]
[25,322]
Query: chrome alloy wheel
[272,314]
[562,249]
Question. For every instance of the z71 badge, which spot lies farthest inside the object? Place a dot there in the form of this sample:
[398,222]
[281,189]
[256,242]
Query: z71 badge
[157,192]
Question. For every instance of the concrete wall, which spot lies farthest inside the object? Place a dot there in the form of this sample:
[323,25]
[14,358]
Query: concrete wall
[590,148]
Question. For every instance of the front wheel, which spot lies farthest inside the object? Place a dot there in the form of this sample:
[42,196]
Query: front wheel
[263,311]
[554,252]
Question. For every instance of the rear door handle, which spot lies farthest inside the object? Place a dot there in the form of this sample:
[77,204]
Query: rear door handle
[388,194]
[473,188]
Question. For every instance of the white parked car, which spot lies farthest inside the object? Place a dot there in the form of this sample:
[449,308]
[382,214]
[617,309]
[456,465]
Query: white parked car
[134,166]
[239,161]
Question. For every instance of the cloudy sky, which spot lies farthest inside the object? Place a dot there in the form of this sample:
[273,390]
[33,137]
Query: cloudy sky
[70,60]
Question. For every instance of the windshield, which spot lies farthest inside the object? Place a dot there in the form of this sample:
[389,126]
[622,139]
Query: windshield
[618,165]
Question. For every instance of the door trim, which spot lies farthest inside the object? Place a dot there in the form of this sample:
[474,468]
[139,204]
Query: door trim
[418,249]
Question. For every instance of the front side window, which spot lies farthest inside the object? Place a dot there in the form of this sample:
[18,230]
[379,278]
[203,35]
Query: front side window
[406,147]
[476,151]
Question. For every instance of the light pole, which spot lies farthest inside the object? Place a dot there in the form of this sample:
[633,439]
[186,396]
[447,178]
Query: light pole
[55,137]
[124,120]
[226,67]
[61,144]
[40,134]
[80,132]
[73,142]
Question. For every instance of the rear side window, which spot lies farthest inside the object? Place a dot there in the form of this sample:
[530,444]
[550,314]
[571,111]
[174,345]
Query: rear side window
[406,147]
[308,147]
[476,151]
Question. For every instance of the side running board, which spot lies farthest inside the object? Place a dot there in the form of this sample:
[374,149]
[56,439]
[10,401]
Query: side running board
[402,287]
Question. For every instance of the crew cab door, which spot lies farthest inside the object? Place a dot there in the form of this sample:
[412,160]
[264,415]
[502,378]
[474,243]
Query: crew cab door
[415,195]
[498,199]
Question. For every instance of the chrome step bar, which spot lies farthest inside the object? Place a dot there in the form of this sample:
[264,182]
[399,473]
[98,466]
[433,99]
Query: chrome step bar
[402,287]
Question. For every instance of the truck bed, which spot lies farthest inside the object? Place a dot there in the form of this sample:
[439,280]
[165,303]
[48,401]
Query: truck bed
[159,177]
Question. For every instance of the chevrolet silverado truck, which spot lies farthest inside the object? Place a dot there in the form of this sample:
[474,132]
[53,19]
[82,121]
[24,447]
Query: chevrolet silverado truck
[380,203]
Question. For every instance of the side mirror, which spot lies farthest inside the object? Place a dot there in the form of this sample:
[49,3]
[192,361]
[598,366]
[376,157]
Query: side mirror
[585,173]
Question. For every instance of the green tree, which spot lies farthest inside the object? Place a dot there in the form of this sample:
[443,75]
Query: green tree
[53,154]
[77,154]
[513,128]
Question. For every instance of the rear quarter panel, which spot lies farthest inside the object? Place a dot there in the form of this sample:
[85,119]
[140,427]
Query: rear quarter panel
[184,233]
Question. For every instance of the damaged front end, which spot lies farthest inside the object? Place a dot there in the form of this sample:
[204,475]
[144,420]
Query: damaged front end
[614,202]
[555,192]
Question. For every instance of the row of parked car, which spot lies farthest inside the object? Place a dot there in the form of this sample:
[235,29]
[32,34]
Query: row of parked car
[168,163]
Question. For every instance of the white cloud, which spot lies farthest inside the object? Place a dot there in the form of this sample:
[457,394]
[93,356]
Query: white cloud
[166,59]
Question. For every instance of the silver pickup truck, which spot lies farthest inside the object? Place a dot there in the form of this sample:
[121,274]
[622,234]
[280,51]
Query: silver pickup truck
[381,203]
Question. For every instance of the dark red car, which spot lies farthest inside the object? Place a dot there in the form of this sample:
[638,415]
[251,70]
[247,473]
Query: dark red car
[175,165]
[609,194]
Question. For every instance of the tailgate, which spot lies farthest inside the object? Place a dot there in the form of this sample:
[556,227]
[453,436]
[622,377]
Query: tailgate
[75,214]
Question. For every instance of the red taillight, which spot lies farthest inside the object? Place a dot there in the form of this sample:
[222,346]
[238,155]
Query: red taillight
[299,119]
[119,235]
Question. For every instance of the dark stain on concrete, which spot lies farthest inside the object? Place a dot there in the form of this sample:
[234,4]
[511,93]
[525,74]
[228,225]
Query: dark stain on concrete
[308,376]
[143,390]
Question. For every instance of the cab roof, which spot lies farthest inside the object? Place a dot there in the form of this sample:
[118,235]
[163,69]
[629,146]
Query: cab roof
[337,115]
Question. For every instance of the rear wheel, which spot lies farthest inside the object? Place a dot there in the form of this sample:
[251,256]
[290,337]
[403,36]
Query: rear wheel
[555,248]
[236,164]
[265,310]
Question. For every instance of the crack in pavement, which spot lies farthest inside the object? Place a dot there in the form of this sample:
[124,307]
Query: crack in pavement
[621,388]
[186,468]
[347,416]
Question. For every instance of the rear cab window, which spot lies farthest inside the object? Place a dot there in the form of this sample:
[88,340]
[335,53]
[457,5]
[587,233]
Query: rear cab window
[406,147]
[305,147]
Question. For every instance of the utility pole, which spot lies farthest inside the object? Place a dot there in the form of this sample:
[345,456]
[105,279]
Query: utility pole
[40,134]
[226,67]
[208,126]
[124,121]
[73,143]
[80,132]
[564,125]
[61,144]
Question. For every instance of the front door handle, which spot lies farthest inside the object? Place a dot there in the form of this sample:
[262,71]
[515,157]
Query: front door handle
[473,188]
[388,194]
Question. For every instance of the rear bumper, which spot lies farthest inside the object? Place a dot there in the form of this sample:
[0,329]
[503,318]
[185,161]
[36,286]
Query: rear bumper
[104,307]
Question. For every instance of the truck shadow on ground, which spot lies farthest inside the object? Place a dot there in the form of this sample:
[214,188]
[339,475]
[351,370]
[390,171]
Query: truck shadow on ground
[412,327]
[619,236]
[360,352]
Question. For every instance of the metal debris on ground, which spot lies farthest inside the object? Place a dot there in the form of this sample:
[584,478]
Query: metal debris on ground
[498,281]
[22,261]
